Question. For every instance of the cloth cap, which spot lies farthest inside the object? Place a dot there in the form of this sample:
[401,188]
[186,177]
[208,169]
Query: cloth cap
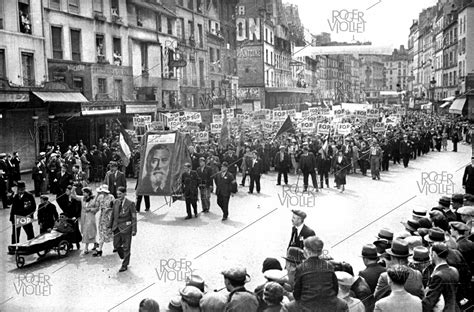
[237,274]
[294,255]
[459,226]
[466,210]
[213,302]
[344,278]
[273,291]
[196,281]
[444,201]
[191,295]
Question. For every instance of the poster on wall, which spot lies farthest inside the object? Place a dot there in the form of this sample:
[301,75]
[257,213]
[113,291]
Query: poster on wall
[162,159]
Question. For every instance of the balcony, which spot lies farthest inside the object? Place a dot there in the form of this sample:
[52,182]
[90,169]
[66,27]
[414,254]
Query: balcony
[115,16]
[99,16]
[216,34]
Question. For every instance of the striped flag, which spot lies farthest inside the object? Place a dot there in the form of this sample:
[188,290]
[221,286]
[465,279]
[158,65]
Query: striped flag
[125,144]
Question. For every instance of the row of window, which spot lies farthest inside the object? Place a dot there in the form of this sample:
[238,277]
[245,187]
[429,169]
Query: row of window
[27,67]
[74,6]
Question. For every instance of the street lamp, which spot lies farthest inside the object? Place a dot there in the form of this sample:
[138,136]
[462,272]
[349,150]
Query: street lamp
[432,90]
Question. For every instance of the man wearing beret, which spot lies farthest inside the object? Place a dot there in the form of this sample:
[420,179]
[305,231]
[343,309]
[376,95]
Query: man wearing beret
[300,231]
[240,299]
[468,178]
[23,204]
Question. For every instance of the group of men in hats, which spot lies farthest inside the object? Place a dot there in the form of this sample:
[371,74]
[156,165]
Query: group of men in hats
[9,176]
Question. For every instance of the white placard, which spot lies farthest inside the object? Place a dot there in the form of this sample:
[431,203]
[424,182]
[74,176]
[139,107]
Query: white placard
[217,118]
[379,127]
[344,128]
[323,128]
[279,115]
[202,136]
[307,126]
[216,127]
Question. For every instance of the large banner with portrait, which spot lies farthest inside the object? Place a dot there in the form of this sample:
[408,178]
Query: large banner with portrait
[163,156]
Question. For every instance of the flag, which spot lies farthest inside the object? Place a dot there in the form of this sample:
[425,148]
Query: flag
[125,144]
[224,139]
[287,126]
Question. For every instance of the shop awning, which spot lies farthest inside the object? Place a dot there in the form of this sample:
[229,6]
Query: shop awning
[445,104]
[66,97]
[457,106]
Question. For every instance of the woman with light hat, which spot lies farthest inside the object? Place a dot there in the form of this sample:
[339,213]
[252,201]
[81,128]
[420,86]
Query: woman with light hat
[88,211]
[104,202]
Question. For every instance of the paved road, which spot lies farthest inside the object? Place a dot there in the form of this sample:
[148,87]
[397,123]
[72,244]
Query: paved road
[259,226]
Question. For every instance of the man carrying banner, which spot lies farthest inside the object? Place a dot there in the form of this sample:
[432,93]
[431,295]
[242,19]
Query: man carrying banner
[205,184]
[23,204]
[225,186]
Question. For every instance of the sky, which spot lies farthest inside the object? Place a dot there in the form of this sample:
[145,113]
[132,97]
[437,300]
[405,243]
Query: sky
[383,22]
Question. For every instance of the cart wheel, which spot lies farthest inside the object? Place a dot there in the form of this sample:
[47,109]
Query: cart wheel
[63,248]
[20,261]
[42,253]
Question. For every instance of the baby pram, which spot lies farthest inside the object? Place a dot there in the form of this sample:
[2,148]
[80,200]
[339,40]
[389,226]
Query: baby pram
[60,238]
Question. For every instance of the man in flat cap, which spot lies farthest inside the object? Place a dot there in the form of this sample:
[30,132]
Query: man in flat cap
[300,231]
[47,214]
[23,204]
[240,299]
[468,178]
[467,216]
[457,201]
[190,182]
[282,163]
[459,232]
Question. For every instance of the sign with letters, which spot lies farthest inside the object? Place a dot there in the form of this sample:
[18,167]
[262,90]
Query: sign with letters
[216,127]
[344,128]
[279,115]
[307,126]
[379,127]
[372,113]
[323,128]
[217,118]
[339,112]
[202,136]
[22,221]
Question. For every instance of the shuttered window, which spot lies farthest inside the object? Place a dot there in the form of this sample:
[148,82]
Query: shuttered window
[56,35]
[76,44]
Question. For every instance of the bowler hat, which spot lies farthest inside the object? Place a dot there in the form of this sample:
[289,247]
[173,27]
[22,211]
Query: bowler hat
[294,255]
[435,235]
[399,249]
[369,251]
[300,213]
[420,254]
[21,184]
[385,234]
[237,274]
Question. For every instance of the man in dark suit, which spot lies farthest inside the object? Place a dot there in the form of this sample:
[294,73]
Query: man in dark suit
[71,208]
[373,269]
[443,281]
[459,232]
[47,214]
[300,231]
[16,167]
[190,182]
[23,204]
[255,172]
[308,167]
[39,175]
[282,163]
[405,150]
[468,178]
[232,160]
[123,223]
[204,173]
[62,181]
[194,157]
[225,186]
[316,283]
[115,178]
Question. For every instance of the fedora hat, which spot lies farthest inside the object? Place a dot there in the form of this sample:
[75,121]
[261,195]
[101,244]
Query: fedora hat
[411,225]
[385,234]
[425,223]
[420,254]
[294,255]
[196,281]
[369,251]
[382,245]
[399,249]
[444,201]
[435,235]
